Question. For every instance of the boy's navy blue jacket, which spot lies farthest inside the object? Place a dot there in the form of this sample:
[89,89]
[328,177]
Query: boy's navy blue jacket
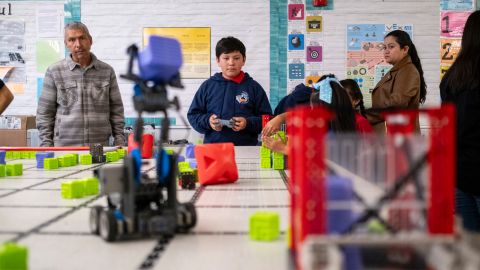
[228,99]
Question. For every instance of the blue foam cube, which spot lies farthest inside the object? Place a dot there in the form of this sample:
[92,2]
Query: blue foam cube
[161,59]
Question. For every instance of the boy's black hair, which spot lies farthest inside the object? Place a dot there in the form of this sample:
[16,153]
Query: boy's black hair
[228,45]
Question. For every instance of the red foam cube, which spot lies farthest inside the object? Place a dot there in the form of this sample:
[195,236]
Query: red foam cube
[216,163]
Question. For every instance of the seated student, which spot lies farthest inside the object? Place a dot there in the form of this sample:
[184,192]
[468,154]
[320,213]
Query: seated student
[6,97]
[300,95]
[330,94]
[356,97]
[229,95]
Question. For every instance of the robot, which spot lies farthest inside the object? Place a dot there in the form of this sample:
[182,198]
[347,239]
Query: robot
[140,205]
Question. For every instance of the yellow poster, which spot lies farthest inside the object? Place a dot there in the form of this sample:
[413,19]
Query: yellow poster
[195,43]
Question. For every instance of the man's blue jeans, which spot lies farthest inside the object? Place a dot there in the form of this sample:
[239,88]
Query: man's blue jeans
[468,207]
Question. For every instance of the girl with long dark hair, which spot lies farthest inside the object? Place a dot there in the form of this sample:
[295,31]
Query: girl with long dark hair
[461,86]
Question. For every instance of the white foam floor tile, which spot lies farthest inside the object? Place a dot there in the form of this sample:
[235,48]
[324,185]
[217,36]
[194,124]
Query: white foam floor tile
[185,195]
[5,191]
[22,219]
[6,237]
[76,222]
[252,183]
[54,184]
[257,198]
[40,198]
[263,173]
[247,152]
[248,166]
[223,252]
[231,220]
[18,183]
[79,175]
[42,174]
[75,252]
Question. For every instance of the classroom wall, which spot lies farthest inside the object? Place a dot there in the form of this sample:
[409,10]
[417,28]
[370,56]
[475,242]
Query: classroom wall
[115,24]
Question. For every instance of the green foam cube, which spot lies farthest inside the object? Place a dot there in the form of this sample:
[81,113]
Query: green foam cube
[50,163]
[13,257]
[169,151]
[264,226]
[265,163]
[90,186]
[14,169]
[278,163]
[62,161]
[3,170]
[73,189]
[183,166]
[86,159]
[17,155]
[265,152]
[72,159]
[277,155]
[112,156]
[121,152]
[9,154]
[33,154]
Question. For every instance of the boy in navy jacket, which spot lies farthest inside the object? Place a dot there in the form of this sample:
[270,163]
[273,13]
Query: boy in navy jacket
[231,95]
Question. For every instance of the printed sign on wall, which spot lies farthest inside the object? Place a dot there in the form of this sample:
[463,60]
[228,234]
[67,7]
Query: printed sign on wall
[452,23]
[296,42]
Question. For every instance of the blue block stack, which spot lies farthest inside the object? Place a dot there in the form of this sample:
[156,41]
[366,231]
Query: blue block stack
[40,156]
[3,153]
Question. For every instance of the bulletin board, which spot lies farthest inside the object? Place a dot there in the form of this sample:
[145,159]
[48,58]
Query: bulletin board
[195,42]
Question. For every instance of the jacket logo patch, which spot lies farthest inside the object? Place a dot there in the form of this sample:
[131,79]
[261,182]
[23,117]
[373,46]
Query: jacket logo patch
[242,98]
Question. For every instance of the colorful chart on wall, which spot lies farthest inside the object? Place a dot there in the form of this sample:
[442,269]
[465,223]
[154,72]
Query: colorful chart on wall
[195,43]
[365,62]
[452,23]
[456,5]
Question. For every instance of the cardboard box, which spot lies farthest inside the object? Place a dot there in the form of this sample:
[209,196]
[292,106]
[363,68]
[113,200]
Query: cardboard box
[13,129]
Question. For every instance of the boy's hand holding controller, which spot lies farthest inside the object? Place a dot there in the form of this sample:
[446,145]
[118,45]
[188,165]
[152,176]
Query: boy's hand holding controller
[239,123]
[215,123]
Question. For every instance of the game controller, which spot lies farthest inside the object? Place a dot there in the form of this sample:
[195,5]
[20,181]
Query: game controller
[226,123]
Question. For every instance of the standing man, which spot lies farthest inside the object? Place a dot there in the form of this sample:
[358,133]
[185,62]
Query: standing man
[80,102]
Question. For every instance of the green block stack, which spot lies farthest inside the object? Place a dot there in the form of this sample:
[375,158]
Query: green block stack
[3,170]
[264,226]
[86,159]
[9,155]
[265,161]
[13,257]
